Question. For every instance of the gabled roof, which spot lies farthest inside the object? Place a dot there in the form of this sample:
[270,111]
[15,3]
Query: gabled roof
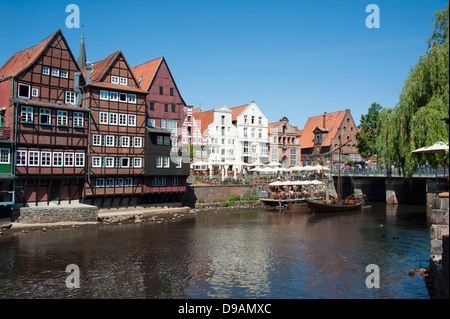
[147,70]
[21,60]
[203,119]
[103,67]
[332,123]
[270,125]
[237,110]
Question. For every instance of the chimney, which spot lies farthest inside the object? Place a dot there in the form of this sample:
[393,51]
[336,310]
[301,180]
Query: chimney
[77,88]
[325,119]
[89,68]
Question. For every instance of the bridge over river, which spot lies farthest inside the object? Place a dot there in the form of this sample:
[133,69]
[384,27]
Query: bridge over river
[378,187]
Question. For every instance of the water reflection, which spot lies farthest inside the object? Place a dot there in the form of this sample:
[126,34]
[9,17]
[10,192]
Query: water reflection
[259,254]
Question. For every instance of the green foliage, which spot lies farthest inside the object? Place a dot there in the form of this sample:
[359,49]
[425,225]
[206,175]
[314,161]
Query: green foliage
[418,118]
[235,197]
[367,136]
[201,201]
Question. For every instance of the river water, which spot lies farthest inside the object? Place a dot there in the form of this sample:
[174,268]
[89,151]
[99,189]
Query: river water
[255,254]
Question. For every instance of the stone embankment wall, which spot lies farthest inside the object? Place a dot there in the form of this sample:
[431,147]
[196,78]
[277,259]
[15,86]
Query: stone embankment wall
[210,193]
[438,274]
[54,214]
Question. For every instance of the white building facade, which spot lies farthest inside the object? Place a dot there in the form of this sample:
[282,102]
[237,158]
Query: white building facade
[252,134]
[222,137]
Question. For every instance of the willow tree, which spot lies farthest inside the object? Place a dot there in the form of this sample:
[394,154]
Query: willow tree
[419,118]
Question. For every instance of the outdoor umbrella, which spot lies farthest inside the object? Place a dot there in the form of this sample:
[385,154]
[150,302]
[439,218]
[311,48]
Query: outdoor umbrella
[273,164]
[438,147]
[256,163]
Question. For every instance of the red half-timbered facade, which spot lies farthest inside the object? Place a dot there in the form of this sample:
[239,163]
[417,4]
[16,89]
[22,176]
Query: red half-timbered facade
[117,133]
[47,121]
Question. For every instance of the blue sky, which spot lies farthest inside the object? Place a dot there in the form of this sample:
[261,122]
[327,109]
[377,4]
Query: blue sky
[293,58]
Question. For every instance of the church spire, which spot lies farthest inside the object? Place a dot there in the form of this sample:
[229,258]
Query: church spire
[82,54]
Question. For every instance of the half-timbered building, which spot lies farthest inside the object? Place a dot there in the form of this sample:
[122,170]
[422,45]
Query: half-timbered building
[117,132]
[47,122]
[166,172]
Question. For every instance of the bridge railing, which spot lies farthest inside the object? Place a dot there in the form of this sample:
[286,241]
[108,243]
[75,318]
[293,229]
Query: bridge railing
[419,172]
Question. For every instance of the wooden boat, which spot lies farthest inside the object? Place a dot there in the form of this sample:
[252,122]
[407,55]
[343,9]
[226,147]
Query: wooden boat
[322,206]
[337,205]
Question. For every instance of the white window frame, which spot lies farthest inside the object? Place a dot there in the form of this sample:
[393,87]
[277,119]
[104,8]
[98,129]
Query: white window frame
[123,97]
[62,118]
[109,162]
[65,74]
[69,159]
[132,98]
[79,159]
[114,79]
[5,156]
[78,119]
[55,72]
[35,92]
[18,91]
[71,98]
[123,81]
[137,162]
[46,159]
[96,161]
[26,114]
[125,141]
[127,164]
[46,70]
[159,162]
[33,158]
[175,181]
[137,141]
[123,119]
[97,140]
[45,112]
[113,118]
[131,120]
[179,162]
[113,96]
[58,159]
[110,140]
[104,95]
[22,158]
[103,117]
[166,162]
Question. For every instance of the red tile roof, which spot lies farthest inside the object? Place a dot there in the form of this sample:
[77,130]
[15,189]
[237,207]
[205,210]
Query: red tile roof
[101,69]
[203,119]
[25,58]
[148,71]
[271,125]
[237,110]
[332,123]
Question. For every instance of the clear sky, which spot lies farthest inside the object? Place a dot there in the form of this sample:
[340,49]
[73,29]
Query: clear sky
[293,58]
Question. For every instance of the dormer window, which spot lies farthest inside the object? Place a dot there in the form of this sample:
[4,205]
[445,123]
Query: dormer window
[114,79]
[123,81]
